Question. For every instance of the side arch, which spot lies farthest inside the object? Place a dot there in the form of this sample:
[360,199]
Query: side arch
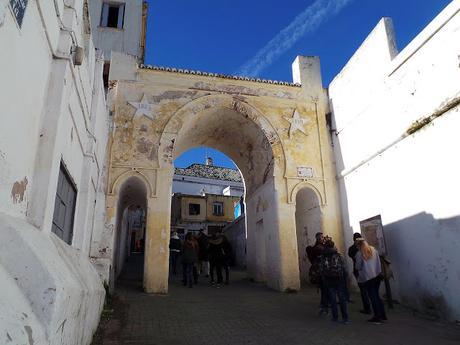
[116,185]
[305,184]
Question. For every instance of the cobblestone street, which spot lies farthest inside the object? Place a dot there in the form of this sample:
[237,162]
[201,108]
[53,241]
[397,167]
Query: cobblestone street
[249,313]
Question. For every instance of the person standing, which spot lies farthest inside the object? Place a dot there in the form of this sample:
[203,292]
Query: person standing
[175,247]
[203,256]
[314,254]
[189,259]
[370,275]
[216,257]
[227,248]
[334,278]
[352,251]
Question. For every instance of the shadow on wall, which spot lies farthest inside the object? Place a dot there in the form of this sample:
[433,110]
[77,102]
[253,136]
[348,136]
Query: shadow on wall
[426,261]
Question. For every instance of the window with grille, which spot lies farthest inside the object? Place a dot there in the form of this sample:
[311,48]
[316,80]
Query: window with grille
[112,15]
[64,207]
[218,208]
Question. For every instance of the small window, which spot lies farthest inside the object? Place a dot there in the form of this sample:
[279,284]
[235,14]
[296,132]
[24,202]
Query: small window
[105,75]
[218,209]
[193,209]
[112,15]
[64,207]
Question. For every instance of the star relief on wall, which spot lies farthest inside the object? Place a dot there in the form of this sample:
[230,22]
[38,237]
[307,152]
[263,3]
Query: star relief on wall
[143,108]
[297,123]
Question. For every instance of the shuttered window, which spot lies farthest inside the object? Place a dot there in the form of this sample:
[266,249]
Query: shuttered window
[64,207]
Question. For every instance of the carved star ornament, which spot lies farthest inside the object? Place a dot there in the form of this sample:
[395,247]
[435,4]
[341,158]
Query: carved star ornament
[143,108]
[297,123]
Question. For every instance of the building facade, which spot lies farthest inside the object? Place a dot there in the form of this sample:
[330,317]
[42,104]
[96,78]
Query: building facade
[53,142]
[210,212]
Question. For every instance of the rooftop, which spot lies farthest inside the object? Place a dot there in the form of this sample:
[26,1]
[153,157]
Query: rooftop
[225,76]
[210,171]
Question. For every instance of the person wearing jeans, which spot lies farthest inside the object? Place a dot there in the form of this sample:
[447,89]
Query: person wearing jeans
[189,259]
[369,274]
[352,251]
[334,279]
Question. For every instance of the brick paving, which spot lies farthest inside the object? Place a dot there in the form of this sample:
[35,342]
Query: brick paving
[249,313]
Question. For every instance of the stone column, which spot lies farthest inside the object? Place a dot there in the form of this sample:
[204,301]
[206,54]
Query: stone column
[287,238]
[156,268]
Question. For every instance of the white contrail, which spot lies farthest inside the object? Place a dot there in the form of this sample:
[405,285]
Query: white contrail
[307,21]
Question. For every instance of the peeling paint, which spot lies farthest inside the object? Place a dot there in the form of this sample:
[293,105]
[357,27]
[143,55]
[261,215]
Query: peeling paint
[18,190]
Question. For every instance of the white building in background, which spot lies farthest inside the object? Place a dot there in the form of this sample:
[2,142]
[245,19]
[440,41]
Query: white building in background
[397,120]
[200,179]
[216,192]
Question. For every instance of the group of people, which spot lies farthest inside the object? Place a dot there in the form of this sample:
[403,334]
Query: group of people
[328,271]
[200,255]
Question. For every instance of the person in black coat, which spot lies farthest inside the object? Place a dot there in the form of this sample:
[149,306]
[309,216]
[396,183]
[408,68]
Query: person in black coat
[203,256]
[216,257]
[227,248]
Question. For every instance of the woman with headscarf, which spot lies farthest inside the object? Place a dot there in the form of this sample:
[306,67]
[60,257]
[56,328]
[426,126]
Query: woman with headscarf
[370,275]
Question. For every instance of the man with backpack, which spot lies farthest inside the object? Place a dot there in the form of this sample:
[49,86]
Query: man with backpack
[334,278]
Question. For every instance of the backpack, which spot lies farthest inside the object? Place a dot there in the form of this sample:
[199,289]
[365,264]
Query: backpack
[331,266]
[310,254]
[314,273]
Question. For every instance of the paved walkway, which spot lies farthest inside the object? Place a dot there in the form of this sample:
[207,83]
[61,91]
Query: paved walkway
[249,313]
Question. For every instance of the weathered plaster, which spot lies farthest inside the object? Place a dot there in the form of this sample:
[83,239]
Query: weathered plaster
[247,121]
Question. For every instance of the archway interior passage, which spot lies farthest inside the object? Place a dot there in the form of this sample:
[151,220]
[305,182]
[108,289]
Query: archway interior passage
[129,245]
[244,142]
[208,195]
[308,217]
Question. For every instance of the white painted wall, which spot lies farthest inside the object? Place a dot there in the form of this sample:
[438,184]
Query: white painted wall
[126,40]
[411,180]
[51,111]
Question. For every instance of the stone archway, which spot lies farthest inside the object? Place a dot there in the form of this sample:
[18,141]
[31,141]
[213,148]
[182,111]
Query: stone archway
[240,131]
[275,132]
[132,192]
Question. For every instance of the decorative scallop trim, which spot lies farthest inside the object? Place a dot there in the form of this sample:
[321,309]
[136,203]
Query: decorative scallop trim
[207,74]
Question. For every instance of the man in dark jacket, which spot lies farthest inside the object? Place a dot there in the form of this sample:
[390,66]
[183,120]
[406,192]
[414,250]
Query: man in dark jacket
[227,247]
[314,255]
[352,251]
[216,257]
[203,256]
[334,279]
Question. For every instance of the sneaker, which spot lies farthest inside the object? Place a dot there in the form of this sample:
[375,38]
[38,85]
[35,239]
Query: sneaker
[375,321]
[346,322]
[322,312]
[334,320]
[218,286]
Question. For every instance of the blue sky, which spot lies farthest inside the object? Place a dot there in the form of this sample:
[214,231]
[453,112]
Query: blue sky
[224,36]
